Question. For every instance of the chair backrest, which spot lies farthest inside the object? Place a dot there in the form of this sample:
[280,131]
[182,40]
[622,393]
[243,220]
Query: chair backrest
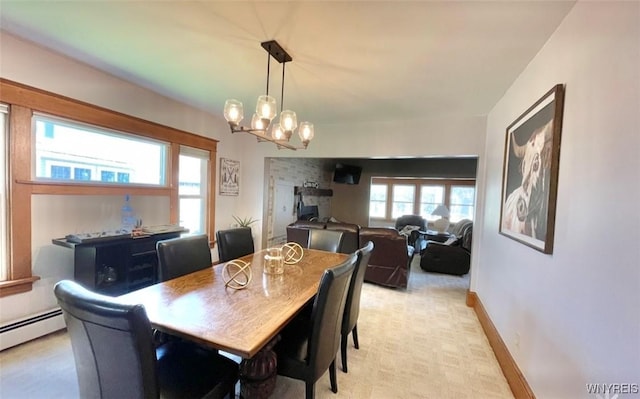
[458,228]
[352,306]
[467,237]
[326,316]
[112,344]
[298,231]
[234,243]
[391,247]
[390,262]
[183,255]
[351,233]
[326,240]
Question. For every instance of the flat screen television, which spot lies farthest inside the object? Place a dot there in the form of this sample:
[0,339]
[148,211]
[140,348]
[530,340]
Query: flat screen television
[347,174]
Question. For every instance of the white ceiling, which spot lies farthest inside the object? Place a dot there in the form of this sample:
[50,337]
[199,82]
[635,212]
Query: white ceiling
[352,61]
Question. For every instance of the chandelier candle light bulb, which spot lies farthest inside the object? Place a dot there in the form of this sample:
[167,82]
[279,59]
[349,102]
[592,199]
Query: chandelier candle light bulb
[266,108]
[289,122]
[257,123]
[233,112]
[306,133]
[277,133]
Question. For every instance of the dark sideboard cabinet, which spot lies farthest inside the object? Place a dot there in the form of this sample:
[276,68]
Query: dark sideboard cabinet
[118,265]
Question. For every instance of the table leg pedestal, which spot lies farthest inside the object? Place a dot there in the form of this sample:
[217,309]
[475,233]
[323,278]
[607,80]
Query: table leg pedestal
[258,374]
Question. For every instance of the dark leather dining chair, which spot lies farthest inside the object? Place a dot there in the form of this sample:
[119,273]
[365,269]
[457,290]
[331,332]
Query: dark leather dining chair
[183,255]
[234,243]
[115,356]
[325,240]
[309,346]
[352,306]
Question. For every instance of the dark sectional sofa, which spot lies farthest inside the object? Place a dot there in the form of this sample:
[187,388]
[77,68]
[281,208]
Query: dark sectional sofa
[390,261]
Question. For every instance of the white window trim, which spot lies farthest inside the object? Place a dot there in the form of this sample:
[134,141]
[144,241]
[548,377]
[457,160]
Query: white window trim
[205,156]
[4,194]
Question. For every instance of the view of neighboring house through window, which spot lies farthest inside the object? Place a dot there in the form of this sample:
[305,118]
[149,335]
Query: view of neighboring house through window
[192,189]
[77,152]
[417,196]
[73,151]
[4,181]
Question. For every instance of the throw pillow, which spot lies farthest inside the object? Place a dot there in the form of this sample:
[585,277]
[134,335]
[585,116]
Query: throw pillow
[406,230]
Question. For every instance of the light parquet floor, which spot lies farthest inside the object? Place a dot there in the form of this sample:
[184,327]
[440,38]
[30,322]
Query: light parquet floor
[423,342]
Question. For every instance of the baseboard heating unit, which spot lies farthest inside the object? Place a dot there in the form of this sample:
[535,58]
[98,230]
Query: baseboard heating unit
[22,330]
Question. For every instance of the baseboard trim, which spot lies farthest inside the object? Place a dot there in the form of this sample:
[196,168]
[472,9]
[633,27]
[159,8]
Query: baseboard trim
[19,331]
[510,369]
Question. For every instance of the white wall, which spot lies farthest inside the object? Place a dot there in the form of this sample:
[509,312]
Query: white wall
[573,317]
[452,136]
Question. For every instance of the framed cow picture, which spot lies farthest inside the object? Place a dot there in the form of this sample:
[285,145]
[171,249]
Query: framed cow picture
[530,173]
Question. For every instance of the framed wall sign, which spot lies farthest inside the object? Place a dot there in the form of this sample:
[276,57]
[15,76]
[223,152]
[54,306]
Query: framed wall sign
[530,173]
[229,177]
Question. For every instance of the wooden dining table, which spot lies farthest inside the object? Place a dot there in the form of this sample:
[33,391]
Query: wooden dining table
[199,307]
[245,322]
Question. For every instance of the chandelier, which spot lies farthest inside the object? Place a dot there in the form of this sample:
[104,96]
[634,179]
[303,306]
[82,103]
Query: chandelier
[282,130]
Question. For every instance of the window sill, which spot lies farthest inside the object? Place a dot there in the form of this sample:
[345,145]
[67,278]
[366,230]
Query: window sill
[12,287]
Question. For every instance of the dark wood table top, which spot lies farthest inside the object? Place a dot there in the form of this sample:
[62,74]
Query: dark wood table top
[200,308]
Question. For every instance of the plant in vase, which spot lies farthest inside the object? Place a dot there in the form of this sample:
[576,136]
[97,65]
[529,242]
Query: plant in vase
[244,222]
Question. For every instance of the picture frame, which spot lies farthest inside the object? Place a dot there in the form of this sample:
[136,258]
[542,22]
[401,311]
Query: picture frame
[530,173]
[229,177]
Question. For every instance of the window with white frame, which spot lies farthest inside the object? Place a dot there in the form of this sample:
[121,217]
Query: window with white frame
[431,195]
[192,189]
[461,202]
[4,193]
[76,152]
[378,200]
[403,200]
[457,195]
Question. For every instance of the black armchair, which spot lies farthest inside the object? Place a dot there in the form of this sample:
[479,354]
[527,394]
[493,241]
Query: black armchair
[452,256]
[414,236]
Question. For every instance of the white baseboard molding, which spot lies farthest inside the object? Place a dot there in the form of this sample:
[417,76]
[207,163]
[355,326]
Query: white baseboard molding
[16,332]
[518,384]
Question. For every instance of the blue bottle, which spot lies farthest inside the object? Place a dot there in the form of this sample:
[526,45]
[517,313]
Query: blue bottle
[128,218]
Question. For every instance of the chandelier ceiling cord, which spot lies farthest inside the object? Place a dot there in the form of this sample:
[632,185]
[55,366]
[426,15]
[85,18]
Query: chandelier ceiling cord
[283,129]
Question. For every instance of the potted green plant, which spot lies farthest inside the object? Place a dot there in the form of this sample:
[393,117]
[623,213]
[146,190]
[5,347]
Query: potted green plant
[244,222]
